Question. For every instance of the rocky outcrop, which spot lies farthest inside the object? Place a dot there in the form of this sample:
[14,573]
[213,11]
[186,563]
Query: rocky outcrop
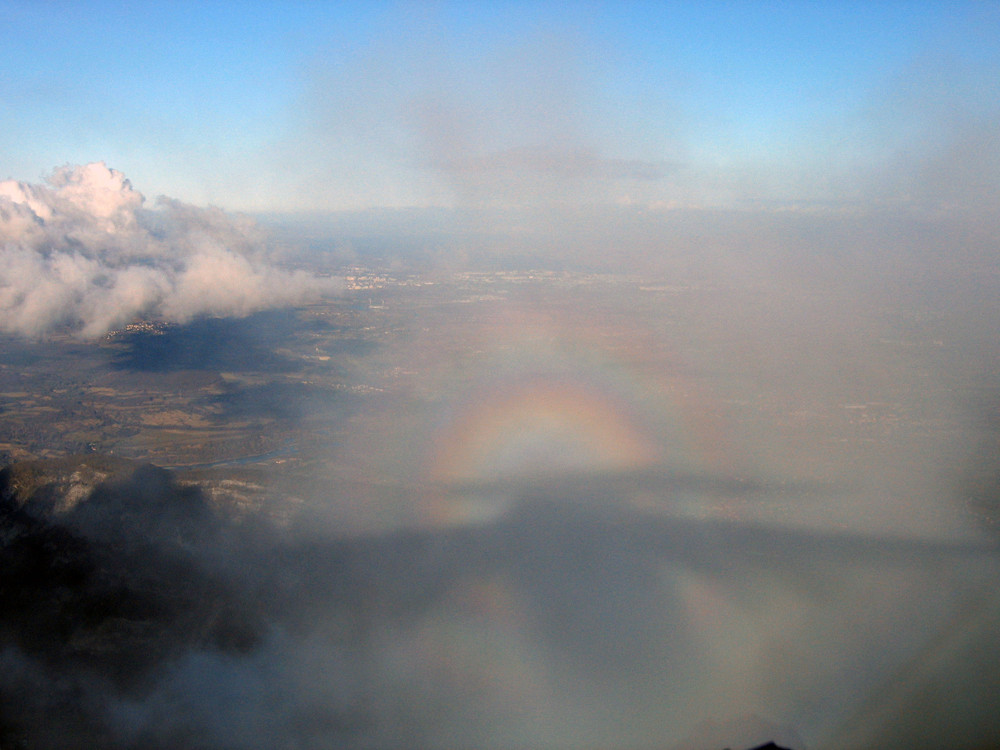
[107,570]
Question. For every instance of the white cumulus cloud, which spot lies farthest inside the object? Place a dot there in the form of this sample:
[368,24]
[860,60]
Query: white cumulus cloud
[82,252]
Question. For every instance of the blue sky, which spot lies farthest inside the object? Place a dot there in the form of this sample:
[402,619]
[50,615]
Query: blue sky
[329,106]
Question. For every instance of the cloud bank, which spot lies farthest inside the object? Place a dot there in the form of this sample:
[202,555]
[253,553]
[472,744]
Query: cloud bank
[82,253]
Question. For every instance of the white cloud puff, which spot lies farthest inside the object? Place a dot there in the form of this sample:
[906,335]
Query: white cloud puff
[82,253]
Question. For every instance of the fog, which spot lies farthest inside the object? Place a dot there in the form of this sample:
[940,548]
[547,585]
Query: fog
[734,484]
[553,434]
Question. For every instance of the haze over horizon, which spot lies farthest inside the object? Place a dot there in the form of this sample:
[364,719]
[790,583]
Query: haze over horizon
[813,145]
[284,107]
